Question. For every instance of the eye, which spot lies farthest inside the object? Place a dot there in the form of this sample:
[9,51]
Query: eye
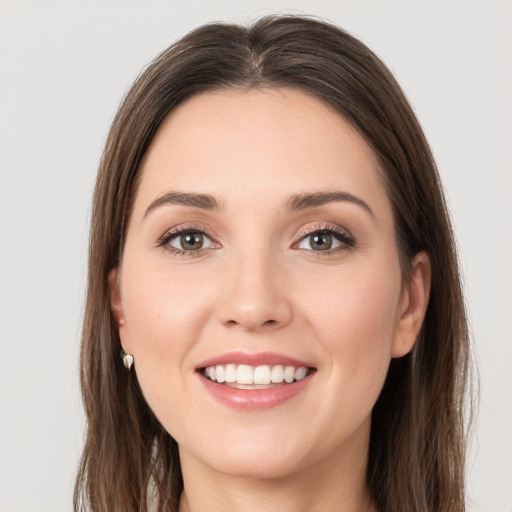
[186,241]
[325,240]
[192,241]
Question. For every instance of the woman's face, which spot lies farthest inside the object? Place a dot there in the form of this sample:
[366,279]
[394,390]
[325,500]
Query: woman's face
[261,249]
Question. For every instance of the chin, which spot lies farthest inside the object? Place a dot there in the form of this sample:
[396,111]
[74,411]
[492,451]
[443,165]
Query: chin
[254,457]
[260,466]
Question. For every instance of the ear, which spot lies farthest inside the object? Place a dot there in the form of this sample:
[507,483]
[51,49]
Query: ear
[117,308]
[413,305]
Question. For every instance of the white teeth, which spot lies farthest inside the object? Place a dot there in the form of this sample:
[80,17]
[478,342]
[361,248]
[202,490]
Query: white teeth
[289,374]
[277,374]
[244,375]
[230,374]
[220,373]
[212,372]
[262,375]
[259,375]
[300,373]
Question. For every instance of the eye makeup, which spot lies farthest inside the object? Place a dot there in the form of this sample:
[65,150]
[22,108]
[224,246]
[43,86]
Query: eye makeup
[191,239]
[197,237]
[325,239]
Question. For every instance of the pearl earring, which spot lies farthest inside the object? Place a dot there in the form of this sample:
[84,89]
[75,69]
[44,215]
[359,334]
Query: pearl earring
[127,360]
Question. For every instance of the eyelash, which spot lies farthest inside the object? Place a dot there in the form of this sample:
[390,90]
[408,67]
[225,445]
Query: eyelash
[164,240]
[342,236]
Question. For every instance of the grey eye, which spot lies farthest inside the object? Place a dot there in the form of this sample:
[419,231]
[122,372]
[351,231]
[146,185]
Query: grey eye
[192,241]
[320,241]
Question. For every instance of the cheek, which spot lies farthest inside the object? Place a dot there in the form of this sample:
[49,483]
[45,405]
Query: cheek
[355,318]
[164,320]
[354,321]
[162,310]
[368,300]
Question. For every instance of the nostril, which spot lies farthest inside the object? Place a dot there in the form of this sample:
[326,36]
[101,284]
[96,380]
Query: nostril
[267,323]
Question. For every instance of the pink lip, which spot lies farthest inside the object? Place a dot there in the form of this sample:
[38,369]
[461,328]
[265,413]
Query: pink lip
[254,399]
[258,359]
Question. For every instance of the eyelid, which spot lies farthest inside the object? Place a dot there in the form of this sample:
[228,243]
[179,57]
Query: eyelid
[341,234]
[163,241]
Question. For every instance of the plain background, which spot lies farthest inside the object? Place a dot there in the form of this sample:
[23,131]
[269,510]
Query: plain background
[64,69]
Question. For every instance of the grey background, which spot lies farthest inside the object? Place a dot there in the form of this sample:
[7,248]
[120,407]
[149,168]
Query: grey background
[64,67]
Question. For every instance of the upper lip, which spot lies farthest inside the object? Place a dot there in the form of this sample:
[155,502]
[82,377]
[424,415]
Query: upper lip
[257,359]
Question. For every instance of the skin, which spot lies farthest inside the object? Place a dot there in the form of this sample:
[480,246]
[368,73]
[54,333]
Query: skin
[259,286]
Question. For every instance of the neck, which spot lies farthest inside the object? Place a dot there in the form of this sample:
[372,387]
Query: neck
[335,483]
[262,498]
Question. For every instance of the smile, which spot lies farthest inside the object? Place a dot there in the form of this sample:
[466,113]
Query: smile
[252,382]
[244,376]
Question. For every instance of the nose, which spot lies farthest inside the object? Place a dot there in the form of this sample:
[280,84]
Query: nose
[254,294]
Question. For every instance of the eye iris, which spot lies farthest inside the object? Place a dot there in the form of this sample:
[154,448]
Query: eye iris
[321,241]
[191,241]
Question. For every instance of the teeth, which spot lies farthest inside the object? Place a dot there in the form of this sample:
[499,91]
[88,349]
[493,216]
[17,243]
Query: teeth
[211,372]
[289,374]
[277,374]
[262,375]
[300,373]
[220,373]
[230,373]
[244,375]
[249,375]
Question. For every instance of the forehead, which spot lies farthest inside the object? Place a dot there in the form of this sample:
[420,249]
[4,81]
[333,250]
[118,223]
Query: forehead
[258,145]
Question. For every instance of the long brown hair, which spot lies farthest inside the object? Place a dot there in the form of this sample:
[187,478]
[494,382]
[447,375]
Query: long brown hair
[417,443]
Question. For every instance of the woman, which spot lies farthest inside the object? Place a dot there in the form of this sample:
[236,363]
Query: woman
[272,257]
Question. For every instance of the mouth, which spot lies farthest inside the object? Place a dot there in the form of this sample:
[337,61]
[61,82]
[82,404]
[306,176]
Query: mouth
[244,376]
[254,381]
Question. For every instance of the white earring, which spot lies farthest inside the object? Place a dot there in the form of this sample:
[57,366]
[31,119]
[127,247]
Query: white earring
[127,360]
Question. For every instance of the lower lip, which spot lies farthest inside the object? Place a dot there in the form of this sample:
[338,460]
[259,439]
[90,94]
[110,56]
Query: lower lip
[254,399]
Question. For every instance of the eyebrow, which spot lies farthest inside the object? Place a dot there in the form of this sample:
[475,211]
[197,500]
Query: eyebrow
[204,201]
[296,202]
[304,201]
